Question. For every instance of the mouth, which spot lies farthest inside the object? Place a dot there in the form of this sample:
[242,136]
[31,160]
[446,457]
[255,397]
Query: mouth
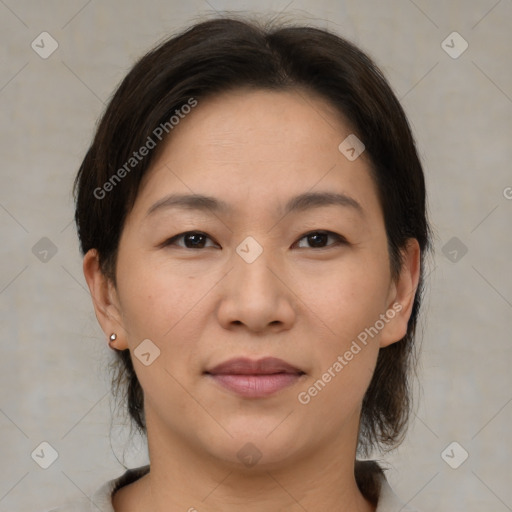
[255,378]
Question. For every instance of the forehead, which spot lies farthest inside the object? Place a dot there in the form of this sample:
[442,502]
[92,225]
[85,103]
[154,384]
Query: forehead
[261,145]
[232,123]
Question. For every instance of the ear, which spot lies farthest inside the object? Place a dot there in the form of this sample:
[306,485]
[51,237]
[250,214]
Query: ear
[105,300]
[402,293]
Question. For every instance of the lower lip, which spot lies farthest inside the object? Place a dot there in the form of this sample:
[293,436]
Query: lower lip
[256,386]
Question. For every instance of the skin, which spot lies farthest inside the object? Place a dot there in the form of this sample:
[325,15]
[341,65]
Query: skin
[301,303]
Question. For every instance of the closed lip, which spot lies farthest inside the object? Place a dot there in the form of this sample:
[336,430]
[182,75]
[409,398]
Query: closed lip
[250,378]
[247,366]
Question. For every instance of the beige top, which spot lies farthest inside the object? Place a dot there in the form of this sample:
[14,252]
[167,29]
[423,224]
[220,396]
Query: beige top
[101,500]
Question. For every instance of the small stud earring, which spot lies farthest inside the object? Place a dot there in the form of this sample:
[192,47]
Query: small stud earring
[113,338]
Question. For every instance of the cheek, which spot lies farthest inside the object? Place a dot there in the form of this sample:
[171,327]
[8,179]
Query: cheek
[335,394]
[347,300]
[159,305]
[155,294]
[345,356]
[346,296]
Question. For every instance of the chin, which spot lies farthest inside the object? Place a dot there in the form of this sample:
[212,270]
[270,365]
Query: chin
[265,445]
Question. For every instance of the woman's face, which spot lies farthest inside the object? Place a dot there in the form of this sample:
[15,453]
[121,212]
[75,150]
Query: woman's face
[276,271]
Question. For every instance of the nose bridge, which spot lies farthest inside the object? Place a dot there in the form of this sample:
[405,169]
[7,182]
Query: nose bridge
[254,295]
[252,263]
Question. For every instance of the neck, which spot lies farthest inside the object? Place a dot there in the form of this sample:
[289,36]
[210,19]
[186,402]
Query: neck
[184,479]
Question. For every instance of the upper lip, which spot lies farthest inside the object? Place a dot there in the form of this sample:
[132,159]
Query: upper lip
[246,366]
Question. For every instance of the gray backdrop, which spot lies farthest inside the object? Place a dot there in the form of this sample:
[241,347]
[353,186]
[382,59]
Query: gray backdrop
[54,383]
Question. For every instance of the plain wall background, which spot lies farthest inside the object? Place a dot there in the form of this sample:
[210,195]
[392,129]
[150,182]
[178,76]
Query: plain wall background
[54,382]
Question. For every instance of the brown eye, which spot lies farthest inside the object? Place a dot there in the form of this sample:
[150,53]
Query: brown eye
[319,239]
[191,240]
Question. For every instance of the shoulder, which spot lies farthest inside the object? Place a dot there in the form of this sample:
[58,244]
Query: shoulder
[101,500]
[370,477]
[374,485]
[389,501]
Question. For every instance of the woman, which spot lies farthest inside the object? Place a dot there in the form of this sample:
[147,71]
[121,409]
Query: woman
[252,218]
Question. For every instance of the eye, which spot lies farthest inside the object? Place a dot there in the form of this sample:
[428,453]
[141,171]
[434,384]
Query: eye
[318,239]
[191,239]
[198,239]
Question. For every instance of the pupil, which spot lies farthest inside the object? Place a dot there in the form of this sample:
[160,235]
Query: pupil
[315,240]
[320,237]
[194,238]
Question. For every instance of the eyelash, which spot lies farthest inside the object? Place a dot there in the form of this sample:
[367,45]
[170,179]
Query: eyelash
[339,240]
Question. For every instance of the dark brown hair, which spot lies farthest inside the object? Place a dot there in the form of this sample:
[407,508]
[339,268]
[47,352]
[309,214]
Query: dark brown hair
[212,57]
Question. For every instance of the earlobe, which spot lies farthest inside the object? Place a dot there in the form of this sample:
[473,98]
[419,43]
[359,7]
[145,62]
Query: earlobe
[104,298]
[403,294]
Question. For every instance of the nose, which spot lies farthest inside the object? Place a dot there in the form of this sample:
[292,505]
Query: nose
[257,295]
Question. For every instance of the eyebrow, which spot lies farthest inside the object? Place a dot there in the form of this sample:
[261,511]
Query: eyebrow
[298,203]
